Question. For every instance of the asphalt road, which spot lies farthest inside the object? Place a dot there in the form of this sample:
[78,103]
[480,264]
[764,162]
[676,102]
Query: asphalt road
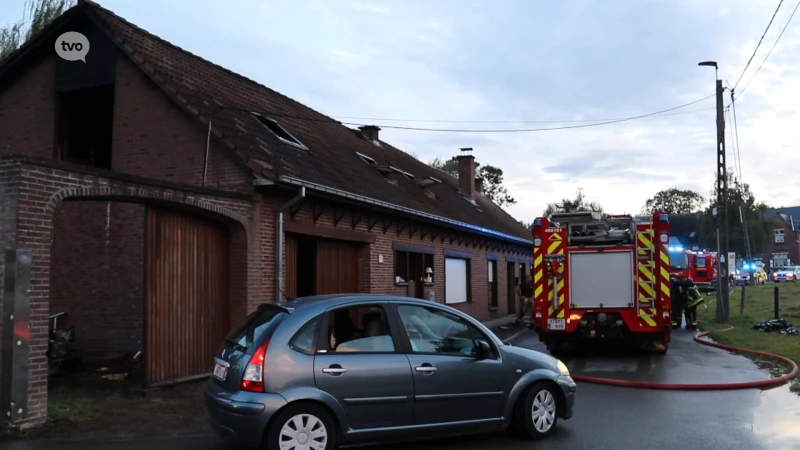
[610,417]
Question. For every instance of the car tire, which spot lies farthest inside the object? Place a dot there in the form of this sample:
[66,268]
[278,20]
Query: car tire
[536,415]
[314,420]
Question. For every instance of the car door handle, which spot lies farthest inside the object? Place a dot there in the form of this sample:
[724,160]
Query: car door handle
[425,369]
[334,370]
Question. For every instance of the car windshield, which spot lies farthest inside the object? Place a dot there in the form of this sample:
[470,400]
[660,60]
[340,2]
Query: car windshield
[260,323]
[789,269]
[679,260]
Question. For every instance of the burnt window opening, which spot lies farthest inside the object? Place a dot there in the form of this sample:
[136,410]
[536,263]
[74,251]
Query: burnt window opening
[85,126]
[280,132]
[366,159]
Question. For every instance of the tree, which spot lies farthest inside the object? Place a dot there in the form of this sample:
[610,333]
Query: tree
[760,229]
[579,203]
[39,13]
[674,201]
[528,225]
[492,178]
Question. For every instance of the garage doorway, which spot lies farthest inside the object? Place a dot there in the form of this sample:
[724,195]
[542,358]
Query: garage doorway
[187,297]
[512,280]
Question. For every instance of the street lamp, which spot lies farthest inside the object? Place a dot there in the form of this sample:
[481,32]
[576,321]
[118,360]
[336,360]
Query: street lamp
[723,286]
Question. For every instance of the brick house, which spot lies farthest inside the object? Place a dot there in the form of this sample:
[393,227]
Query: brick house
[156,197]
[784,246]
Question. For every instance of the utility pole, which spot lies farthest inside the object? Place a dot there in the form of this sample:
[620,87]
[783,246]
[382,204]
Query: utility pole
[723,279]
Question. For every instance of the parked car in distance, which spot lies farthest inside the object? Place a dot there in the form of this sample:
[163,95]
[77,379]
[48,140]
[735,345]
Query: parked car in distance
[321,371]
[788,273]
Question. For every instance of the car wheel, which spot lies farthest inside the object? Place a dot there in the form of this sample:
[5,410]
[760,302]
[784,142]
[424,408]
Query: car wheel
[301,427]
[536,414]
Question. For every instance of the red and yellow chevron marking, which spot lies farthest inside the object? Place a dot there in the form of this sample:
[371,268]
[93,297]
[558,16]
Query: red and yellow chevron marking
[538,273]
[555,246]
[664,282]
[646,279]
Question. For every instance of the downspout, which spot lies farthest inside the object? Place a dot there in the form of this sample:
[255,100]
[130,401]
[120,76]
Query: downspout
[279,242]
[208,147]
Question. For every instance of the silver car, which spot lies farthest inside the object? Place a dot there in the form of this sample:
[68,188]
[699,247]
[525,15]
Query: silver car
[317,372]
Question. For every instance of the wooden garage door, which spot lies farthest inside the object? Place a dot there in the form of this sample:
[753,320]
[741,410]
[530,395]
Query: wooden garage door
[187,295]
[337,267]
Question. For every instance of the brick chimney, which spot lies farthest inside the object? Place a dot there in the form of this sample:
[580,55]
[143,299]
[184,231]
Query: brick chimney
[479,185]
[370,132]
[466,172]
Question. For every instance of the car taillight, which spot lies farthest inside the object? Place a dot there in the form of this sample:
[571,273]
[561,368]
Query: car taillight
[253,379]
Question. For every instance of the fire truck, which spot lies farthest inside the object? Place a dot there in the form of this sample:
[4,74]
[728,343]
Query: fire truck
[602,277]
[700,267]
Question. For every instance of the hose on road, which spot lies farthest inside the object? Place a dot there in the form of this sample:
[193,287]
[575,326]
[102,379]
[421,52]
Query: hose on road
[759,384]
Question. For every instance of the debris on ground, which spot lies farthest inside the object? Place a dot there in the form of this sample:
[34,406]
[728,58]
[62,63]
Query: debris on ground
[780,326]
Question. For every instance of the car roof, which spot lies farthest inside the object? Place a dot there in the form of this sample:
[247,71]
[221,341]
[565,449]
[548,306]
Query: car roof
[329,300]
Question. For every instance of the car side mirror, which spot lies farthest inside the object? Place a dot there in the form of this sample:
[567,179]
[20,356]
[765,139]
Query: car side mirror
[483,350]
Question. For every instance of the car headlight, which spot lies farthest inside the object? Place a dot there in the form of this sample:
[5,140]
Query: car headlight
[563,370]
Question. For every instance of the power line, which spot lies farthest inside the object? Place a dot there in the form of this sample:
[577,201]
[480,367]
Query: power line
[522,130]
[758,45]
[510,121]
[770,51]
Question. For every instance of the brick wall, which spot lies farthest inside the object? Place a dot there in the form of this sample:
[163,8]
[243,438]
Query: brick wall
[378,277]
[9,196]
[97,274]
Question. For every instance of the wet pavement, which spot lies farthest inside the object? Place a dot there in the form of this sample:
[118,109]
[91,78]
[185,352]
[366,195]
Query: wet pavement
[612,417]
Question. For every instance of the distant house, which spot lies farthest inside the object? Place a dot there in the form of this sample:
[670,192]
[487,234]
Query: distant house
[784,246]
[162,197]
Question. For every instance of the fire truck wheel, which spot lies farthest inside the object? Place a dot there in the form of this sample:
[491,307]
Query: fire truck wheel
[536,415]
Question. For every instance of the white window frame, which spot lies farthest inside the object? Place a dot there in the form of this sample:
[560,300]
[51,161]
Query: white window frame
[780,236]
[456,287]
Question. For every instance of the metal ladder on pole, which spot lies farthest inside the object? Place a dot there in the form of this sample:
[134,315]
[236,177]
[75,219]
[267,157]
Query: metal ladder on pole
[645,260]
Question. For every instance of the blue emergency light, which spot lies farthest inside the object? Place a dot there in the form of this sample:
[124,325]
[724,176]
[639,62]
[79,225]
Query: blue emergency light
[663,217]
[537,222]
[676,249]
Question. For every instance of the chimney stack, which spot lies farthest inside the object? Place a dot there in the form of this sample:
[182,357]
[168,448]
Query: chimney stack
[466,172]
[370,132]
[479,185]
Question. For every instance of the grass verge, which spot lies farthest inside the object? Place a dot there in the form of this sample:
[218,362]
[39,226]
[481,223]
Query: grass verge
[758,307]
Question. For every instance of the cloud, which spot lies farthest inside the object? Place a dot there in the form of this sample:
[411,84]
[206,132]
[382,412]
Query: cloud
[518,60]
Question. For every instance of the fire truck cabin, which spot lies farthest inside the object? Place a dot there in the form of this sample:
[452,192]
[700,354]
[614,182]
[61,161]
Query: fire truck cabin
[601,277]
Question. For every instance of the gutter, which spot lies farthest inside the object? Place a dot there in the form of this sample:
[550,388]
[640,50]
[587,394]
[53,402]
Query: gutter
[391,206]
[279,242]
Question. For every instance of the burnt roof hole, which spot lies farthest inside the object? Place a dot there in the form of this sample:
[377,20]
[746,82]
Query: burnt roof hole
[276,129]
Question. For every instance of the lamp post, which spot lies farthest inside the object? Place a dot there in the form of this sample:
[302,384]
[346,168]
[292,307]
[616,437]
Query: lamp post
[723,286]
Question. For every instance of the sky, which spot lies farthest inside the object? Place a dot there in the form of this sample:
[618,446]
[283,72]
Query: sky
[511,64]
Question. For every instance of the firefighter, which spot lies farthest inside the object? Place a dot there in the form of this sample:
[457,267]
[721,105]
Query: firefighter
[694,299]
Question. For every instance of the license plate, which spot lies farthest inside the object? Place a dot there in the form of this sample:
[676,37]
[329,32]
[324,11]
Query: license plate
[557,324]
[220,372]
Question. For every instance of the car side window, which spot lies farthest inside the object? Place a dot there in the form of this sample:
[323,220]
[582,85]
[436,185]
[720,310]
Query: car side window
[305,339]
[431,330]
[359,329]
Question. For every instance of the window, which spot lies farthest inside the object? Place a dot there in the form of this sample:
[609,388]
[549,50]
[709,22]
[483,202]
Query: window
[679,260]
[701,262]
[362,328]
[779,236]
[279,131]
[258,326]
[413,266]
[85,126]
[304,340]
[366,159]
[456,279]
[431,330]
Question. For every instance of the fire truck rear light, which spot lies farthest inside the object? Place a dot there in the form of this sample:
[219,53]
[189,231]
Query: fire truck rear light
[537,242]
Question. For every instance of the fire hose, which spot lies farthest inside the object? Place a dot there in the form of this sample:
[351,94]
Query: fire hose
[698,337]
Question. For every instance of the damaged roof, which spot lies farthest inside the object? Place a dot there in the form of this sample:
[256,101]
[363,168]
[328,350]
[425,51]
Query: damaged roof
[307,146]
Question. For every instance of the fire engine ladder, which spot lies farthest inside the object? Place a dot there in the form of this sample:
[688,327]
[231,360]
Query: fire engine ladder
[646,274]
